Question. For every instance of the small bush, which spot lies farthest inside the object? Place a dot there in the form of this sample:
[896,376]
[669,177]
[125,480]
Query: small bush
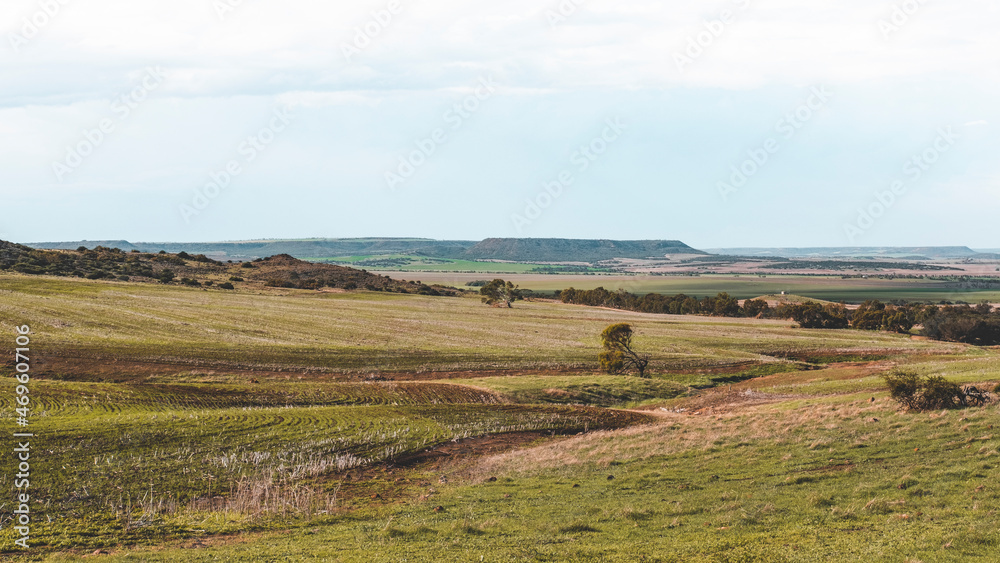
[226,285]
[925,392]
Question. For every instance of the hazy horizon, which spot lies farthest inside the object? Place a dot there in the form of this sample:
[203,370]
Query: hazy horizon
[369,237]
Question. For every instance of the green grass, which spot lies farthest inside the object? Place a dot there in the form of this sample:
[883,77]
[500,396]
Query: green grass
[598,390]
[788,458]
[132,475]
[808,483]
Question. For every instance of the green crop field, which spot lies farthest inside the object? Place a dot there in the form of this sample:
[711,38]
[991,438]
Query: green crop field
[406,263]
[178,424]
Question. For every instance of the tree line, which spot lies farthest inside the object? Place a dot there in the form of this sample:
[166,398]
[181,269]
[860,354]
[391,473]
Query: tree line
[978,325]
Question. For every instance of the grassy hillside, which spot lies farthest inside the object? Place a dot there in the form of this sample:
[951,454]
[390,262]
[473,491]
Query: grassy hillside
[176,329]
[197,270]
[181,424]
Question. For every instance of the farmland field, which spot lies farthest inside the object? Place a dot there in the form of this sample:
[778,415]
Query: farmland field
[829,288]
[403,263]
[182,424]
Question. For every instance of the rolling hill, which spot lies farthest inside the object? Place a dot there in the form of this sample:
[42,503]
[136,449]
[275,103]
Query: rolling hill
[280,270]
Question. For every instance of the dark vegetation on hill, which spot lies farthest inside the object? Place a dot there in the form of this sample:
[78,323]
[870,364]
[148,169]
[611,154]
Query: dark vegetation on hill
[199,270]
[286,271]
[98,263]
[978,325]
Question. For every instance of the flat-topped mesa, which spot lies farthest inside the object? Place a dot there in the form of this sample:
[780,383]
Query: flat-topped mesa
[574,250]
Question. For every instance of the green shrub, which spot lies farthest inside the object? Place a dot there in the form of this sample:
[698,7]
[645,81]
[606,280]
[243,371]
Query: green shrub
[924,392]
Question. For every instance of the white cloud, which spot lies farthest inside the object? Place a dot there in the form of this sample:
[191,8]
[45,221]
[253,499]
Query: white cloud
[296,45]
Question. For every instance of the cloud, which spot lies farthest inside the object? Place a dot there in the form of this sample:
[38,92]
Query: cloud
[269,48]
[556,81]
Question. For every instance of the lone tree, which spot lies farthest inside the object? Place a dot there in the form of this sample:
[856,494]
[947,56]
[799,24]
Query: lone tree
[618,355]
[499,293]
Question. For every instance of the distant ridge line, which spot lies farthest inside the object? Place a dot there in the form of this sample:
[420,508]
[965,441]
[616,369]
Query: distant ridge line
[914,252]
[512,249]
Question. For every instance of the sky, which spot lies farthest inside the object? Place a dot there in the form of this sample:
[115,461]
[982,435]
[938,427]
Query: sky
[721,123]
